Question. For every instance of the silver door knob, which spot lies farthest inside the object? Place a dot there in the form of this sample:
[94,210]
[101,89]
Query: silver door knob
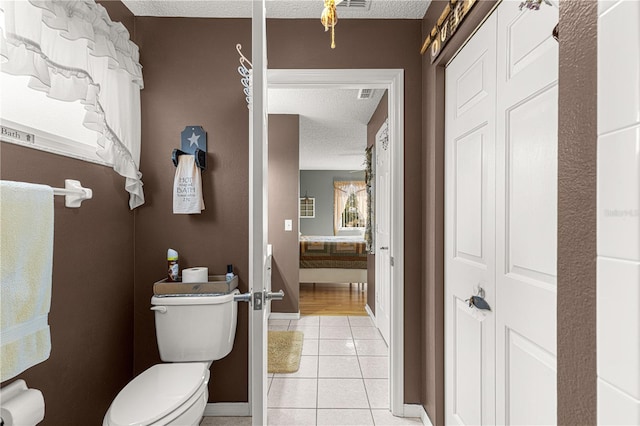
[384,248]
[270,295]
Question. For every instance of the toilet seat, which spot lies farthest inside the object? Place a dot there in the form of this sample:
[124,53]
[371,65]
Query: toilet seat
[157,392]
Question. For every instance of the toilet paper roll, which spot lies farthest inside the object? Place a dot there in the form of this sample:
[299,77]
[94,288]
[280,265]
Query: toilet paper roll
[195,275]
[26,408]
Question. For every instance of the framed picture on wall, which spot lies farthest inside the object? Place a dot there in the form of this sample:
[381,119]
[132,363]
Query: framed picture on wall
[307,207]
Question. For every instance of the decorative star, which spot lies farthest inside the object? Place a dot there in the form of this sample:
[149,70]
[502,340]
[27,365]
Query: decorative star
[194,140]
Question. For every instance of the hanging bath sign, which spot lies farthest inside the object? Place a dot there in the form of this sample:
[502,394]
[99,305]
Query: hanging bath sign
[446,26]
[193,142]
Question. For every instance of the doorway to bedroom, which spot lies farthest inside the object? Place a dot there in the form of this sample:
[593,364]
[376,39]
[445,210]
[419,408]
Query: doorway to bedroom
[335,193]
[337,313]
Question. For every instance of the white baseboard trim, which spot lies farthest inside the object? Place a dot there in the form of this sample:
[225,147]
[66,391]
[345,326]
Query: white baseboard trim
[370,313]
[227,409]
[417,410]
[242,409]
[285,315]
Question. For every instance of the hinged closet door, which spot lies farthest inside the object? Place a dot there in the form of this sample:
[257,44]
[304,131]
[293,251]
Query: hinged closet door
[526,214]
[470,231]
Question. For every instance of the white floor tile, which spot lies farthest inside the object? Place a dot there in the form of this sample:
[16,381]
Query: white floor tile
[308,369]
[366,333]
[329,388]
[339,367]
[310,347]
[293,417]
[335,332]
[371,347]
[342,393]
[310,332]
[334,321]
[377,392]
[344,417]
[361,322]
[385,418]
[337,347]
[292,393]
[279,322]
[307,320]
[374,367]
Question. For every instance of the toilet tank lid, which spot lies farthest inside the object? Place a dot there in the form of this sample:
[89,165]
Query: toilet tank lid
[156,392]
[210,299]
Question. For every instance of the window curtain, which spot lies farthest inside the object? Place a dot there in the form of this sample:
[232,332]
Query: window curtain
[74,52]
[342,190]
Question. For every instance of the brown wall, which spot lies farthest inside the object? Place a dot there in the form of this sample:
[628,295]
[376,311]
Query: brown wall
[91,313]
[202,87]
[362,43]
[577,149]
[187,84]
[379,116]
[284,179]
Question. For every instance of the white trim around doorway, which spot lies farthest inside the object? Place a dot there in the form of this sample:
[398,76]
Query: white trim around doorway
[393,81]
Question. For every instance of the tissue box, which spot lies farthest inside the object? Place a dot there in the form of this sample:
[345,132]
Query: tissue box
[216,284]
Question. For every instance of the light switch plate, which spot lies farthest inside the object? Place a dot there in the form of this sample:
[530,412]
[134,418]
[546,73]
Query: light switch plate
[288,225]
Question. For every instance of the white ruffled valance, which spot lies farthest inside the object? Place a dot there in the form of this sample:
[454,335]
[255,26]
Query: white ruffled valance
[73,51]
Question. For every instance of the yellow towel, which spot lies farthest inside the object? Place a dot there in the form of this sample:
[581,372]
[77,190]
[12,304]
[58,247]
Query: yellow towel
[26,260]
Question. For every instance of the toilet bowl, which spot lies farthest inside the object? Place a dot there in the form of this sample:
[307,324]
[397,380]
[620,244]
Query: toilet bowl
[165,394]
[192,332]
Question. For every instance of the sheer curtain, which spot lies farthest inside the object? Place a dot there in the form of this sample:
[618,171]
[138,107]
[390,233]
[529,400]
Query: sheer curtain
[341,193]
[73,51]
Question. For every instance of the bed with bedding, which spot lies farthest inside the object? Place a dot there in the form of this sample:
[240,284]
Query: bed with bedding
[333,259]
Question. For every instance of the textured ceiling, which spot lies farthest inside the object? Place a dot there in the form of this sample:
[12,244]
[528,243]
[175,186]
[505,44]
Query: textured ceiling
[333,125]
[378,9]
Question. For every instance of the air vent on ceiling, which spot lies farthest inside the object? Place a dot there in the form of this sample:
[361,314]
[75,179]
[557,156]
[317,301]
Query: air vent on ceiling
[365,93]
[360,4]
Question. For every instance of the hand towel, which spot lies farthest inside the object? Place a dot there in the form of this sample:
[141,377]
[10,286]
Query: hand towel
[26,248]
[187,187]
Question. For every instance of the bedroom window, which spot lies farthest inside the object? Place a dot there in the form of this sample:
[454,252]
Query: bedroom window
[350,205]
[307,207]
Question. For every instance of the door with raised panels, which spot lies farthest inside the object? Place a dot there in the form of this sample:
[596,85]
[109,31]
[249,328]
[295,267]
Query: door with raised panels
[470,231]
[526,215]
[500,215]
[383,227]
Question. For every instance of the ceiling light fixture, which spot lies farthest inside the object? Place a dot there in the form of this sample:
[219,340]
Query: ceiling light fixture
[329,18]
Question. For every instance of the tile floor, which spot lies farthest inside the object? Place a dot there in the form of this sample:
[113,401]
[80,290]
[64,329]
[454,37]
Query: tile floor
[343,377]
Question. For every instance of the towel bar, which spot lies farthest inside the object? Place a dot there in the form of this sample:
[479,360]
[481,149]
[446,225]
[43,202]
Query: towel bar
[74,193]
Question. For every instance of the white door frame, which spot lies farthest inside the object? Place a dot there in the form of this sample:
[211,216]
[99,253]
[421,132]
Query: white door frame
[393,81]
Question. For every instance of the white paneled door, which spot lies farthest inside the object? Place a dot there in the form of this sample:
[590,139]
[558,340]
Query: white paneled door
[470,231]
[501,187]
[383,232]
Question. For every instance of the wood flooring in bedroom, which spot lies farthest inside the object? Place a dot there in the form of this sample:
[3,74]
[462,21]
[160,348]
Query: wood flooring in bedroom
[333,299]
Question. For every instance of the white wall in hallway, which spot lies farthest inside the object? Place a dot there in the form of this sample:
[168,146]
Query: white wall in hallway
[618,298]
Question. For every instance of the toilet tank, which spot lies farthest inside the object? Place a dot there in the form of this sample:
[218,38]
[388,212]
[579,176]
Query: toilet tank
[195,328]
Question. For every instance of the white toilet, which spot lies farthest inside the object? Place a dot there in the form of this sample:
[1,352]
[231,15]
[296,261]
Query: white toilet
[192,332]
